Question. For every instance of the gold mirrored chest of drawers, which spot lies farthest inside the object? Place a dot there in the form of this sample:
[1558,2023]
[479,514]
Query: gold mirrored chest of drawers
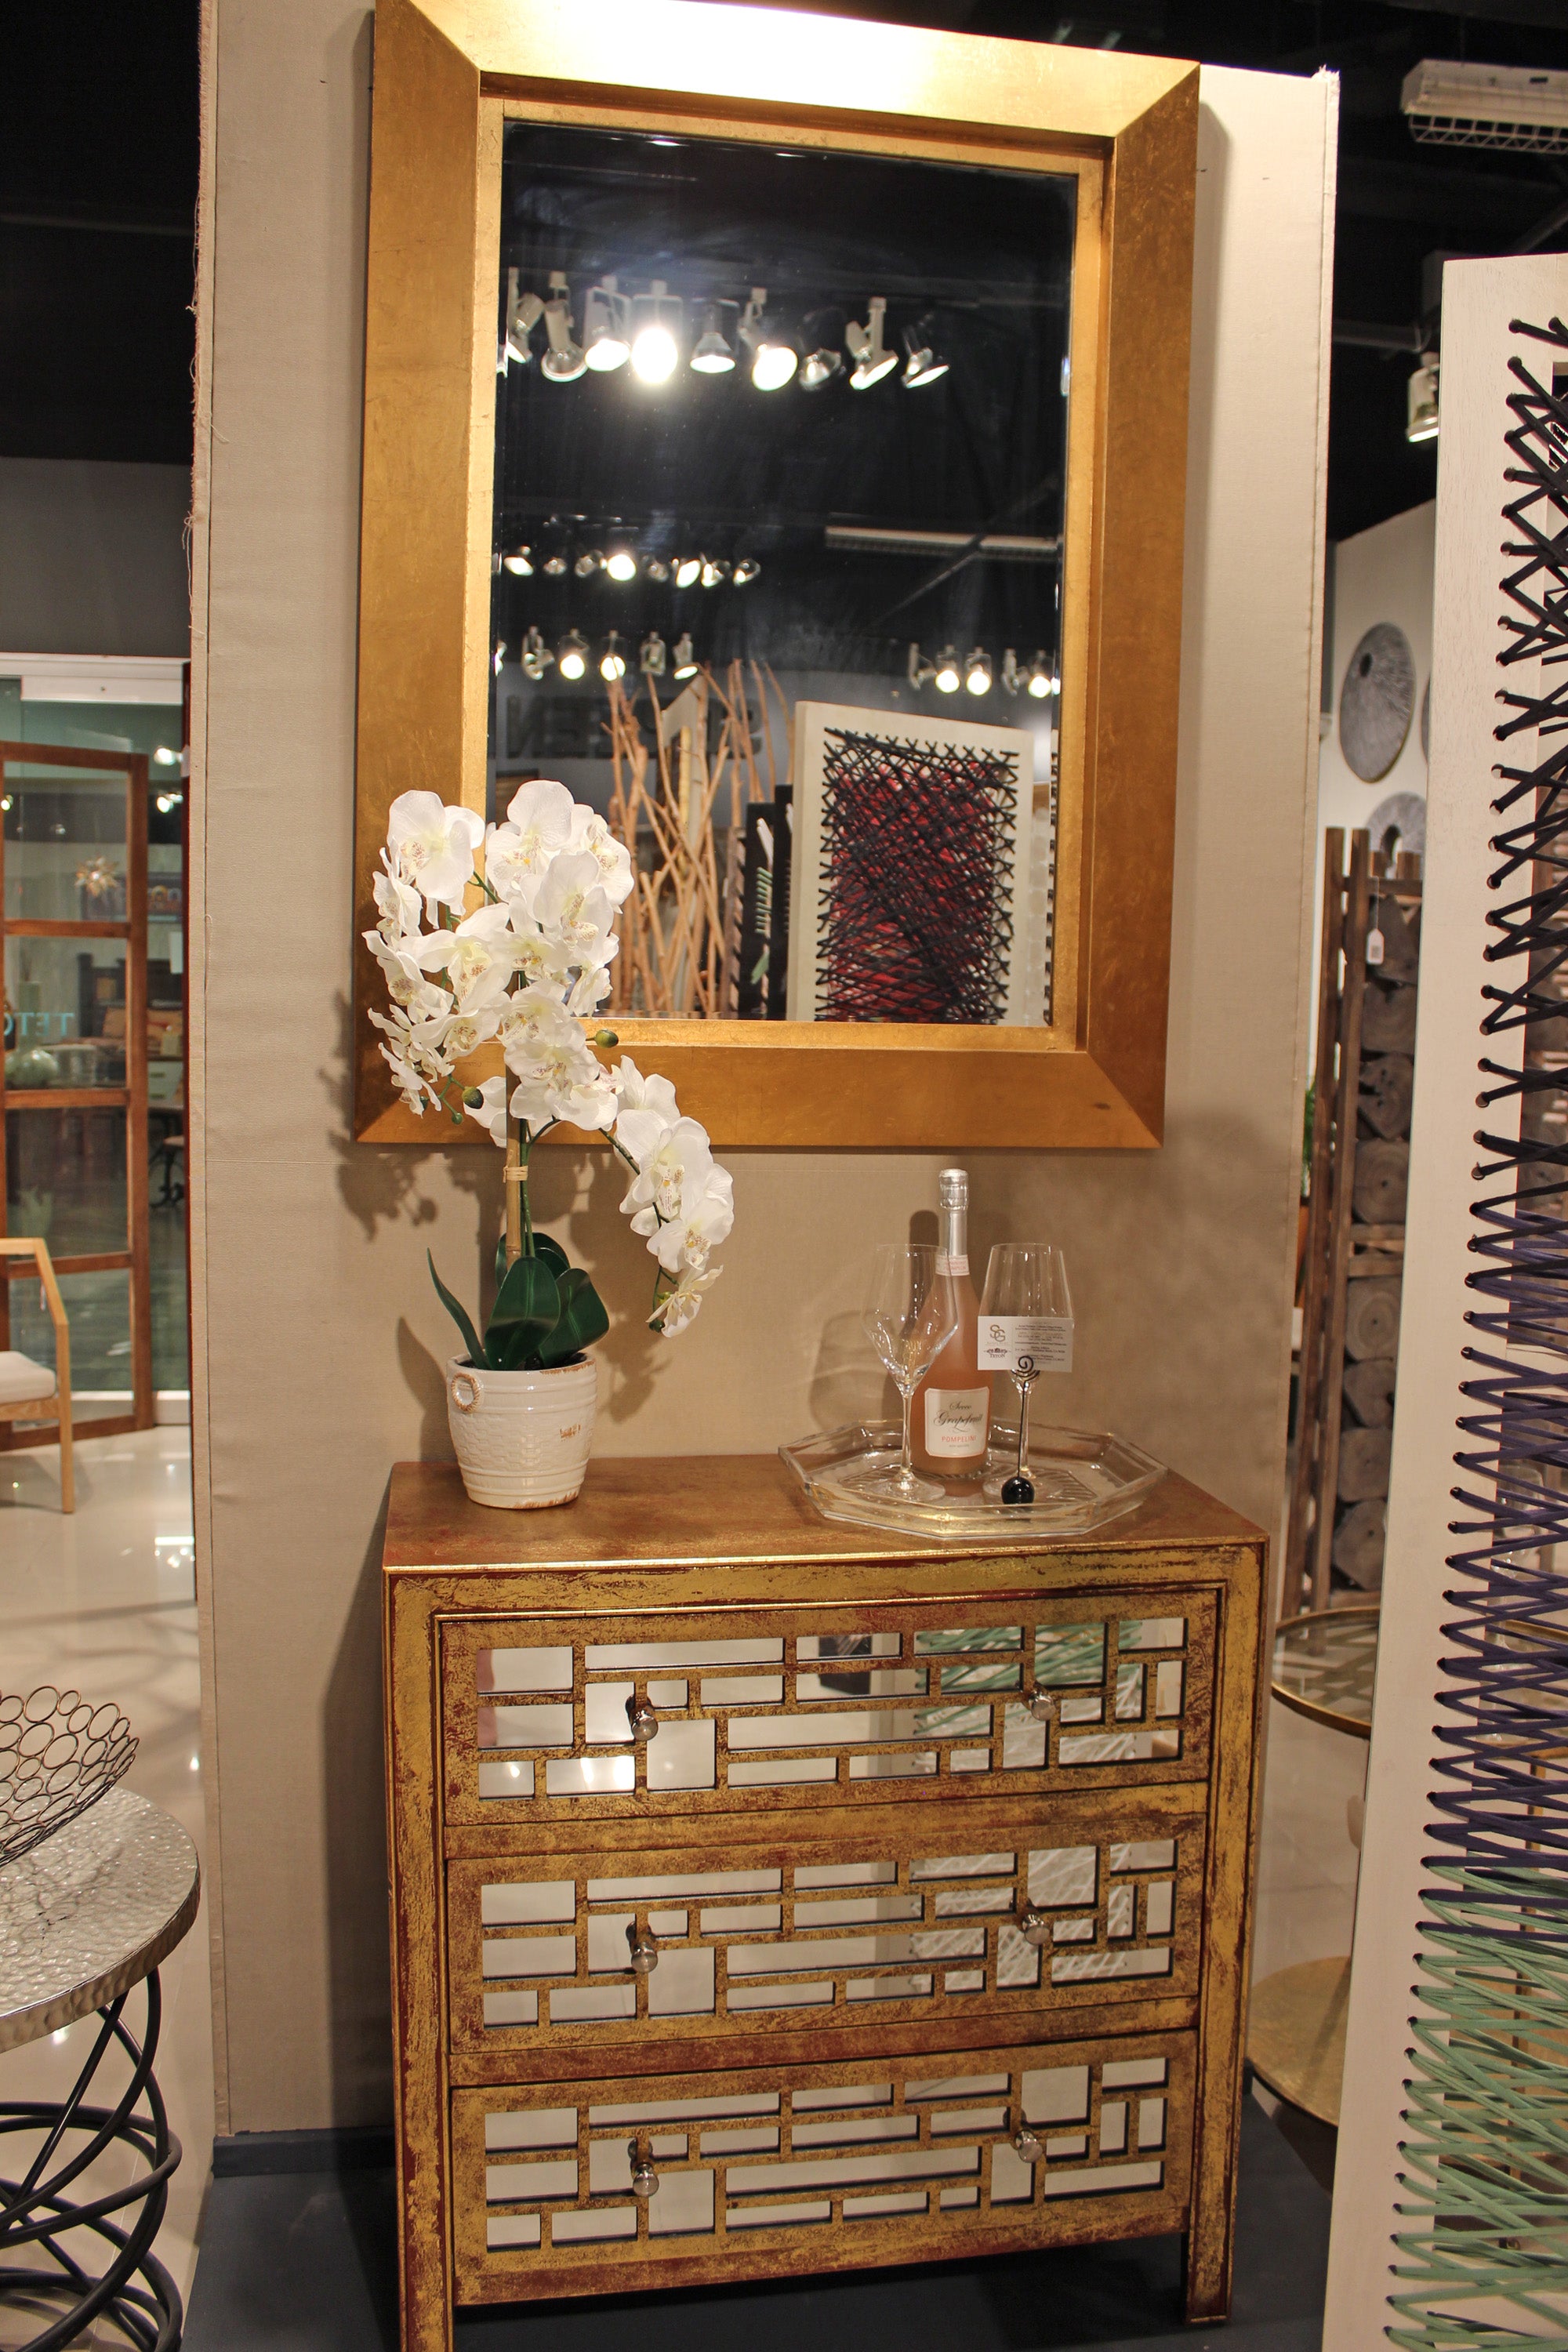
[770,1896]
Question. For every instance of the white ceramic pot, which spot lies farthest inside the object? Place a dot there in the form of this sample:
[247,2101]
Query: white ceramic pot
[522,1438]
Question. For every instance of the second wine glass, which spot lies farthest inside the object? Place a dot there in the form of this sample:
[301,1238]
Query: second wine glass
[909,1316]
[1026,1329]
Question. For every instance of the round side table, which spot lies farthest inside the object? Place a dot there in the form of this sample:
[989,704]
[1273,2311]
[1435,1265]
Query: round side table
[84,1918]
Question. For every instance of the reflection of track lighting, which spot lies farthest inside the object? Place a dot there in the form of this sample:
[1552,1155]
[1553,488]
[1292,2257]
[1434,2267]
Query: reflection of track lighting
[945,677]
[605,343]
[977,671]
[656,317]
[1012,676]
[712,353]
[534,657]
[563,362]
[555,564]
[523,312]
[656,567]
[871,356]
[498,655]
[520,561]
[621,563]
[612,662]
[687,571]
[1041,680]
[571,655]
[921,671]
[650,660]
[823,360]
[715,571]
[685,659]
[588,563]
[745,571]
[1421,400]
[774,355]
[925,363]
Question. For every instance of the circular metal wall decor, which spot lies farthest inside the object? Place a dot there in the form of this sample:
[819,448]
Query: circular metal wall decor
[1399,822]
[1377,700]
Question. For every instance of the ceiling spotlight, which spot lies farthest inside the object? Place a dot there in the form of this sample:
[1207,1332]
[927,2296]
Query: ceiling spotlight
[1041,681]
[554,565]
[1421,400]
[166,800]
[498,655]
[650,659]
[655,352]
[523,312]
[687,571]
[745,571]
[715,571]
[871,356]
[621,563]
[571,655]
[534,657]
[166,757]
[823,360]
[520,561]
[921,671]
[606,338]
[656,567]
[977,671]
[925,363]
[685,659]
[588,563]
[945,677]
[563,362]
[1012,675]
[774,358]
[713,353]
[612,663]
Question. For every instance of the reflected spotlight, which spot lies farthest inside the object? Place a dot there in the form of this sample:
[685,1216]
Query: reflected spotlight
[534,657]
[554,565]
[774,355]
[571,655]
[1042,682]
[520,561]
[607,344]
[1012,675]
[523,312]
[1421,400]
[588,563]
[871,356]
[563,362]
[945,677]
[655,352]
[498,656]
[745,571]
[621,563]
[824,361]
[612,662]
[921,671]
[715,571]
[656,567]
[650,660]
[165,756]
[685,659]
[713,353]
[687,571]
[977,671]
[925,363]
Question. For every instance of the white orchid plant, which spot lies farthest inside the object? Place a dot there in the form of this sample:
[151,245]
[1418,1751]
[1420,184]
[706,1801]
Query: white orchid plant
[507,932]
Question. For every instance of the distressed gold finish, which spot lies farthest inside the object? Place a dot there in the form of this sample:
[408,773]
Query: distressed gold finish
[447,74]
[936,1901]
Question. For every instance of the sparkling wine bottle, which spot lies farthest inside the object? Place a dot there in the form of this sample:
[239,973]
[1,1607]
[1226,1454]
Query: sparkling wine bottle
[952,1403]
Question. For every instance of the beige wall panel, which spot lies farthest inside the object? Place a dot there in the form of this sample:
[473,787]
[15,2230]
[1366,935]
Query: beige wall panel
[324,1338]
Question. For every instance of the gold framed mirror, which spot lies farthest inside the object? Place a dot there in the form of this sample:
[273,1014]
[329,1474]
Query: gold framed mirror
[802,484]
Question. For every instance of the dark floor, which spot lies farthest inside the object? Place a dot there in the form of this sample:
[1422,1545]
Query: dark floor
[306,2260]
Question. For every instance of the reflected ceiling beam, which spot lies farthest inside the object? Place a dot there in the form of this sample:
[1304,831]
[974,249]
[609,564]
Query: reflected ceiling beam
[1546,12]
[1003,547]
[1377,189]
[1365,335]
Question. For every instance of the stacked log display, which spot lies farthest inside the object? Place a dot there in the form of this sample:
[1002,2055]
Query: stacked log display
[1355,1259]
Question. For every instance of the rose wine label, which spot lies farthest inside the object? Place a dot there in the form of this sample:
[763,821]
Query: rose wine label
[955,1422]
[1013,1343]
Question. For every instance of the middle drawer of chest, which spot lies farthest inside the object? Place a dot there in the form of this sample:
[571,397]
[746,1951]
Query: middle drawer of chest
[928,1913]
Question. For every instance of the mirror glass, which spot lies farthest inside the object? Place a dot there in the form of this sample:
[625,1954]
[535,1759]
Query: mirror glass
[781,450]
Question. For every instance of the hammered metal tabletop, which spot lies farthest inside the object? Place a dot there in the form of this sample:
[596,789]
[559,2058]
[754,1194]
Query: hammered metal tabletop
[89,1913]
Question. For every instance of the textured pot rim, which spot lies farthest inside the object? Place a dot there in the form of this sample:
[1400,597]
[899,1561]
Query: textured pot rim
[455,1364]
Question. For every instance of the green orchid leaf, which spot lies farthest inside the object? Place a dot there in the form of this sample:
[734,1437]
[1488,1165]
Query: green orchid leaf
[459,1315]
[527,1309]
[555,1256]
[582,1321]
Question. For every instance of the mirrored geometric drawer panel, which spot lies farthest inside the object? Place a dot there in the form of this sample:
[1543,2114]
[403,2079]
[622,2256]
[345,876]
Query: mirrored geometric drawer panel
[741,1714]
[677,2177]
[630,1948]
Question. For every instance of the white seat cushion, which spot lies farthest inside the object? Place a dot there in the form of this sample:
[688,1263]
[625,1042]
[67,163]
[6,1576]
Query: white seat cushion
[21,1380]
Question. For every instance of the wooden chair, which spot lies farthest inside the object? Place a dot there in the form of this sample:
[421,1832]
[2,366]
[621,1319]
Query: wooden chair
[29,1390]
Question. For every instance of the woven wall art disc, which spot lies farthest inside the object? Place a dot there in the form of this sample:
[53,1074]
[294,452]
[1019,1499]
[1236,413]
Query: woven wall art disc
[1376,701]
[1404,813]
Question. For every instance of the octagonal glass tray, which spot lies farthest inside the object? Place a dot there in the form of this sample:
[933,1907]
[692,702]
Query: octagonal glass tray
[1082,1479]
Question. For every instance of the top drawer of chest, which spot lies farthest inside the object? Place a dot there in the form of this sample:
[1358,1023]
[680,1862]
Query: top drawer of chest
[567,1717]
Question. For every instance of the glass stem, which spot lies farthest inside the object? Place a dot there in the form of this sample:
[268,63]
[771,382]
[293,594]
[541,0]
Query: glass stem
[906,1459]
[1022,1388]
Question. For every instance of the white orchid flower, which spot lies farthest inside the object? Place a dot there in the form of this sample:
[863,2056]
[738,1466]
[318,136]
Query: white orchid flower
[533,1019]
[637,1093]
[399,904]
[706,1215]
[491,1108]
[588,991]
[399,965]
[477,958]
[543,964]
[589,832]
[564,1081]
[572,906]
[466,1032]
[679,1305]
[669,1161]
[538,828]
[433,846]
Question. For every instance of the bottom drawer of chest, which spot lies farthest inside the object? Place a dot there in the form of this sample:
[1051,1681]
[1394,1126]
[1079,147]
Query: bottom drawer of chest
[681,2179]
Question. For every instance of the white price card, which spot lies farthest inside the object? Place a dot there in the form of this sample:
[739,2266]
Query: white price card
[1016,1343]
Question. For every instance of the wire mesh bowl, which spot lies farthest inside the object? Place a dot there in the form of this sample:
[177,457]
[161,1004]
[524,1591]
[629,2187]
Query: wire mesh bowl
[59,1754]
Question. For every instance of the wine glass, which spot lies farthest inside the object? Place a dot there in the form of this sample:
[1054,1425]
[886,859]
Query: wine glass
[909,1316]
[1026,1329]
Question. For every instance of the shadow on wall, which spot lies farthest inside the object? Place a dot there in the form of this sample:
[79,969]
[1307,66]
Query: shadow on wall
[353,1813]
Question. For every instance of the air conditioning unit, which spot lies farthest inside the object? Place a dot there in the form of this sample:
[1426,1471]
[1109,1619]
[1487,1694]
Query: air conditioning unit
[1454,105]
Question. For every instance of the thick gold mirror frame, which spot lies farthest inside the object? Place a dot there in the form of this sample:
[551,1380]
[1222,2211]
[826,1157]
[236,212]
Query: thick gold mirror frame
[449,74]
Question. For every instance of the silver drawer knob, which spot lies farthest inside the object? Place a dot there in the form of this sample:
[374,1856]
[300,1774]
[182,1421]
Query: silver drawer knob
[643,1721]
[1041,1704]
[1025,2145]
[1035,1926]
[644,1951]
[645,2180]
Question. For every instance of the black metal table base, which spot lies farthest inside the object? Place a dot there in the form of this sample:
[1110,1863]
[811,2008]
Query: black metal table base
[35,2213]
